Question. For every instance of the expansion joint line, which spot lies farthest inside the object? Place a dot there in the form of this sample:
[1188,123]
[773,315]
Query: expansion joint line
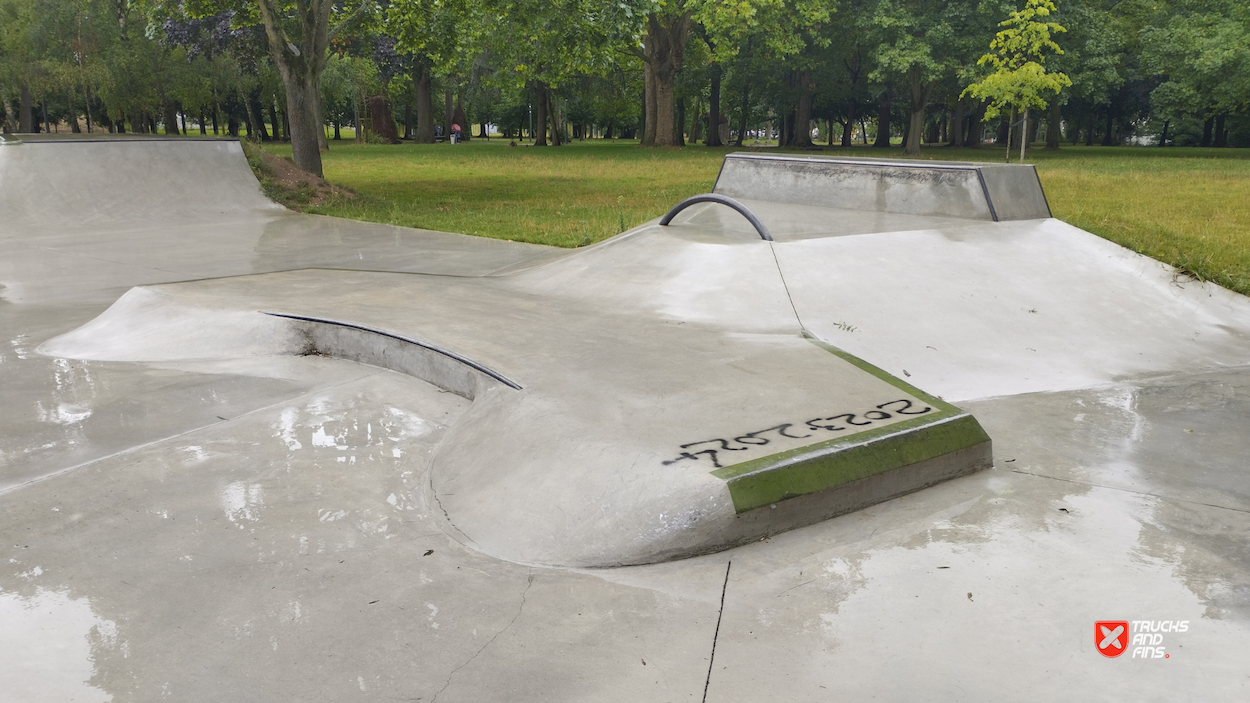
[712,658]
[786,285]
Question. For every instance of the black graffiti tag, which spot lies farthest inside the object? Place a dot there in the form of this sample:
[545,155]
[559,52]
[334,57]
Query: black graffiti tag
[711,448]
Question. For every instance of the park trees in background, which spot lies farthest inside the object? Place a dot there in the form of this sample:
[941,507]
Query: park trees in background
[1175,71]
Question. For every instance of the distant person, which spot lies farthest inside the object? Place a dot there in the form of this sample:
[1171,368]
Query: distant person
[455,133]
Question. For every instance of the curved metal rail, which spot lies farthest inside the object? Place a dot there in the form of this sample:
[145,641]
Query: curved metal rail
[723,200]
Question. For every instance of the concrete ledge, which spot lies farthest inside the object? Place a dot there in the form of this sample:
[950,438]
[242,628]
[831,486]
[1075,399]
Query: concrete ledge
[811,508]
[836,463]
[992,192]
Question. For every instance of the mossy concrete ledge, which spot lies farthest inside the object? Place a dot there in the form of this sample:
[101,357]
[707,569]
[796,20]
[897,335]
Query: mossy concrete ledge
[830,465]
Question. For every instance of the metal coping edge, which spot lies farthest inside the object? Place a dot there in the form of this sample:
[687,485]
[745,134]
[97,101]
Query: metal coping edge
[424,345]
[985,189]
[901,163]
[125,140]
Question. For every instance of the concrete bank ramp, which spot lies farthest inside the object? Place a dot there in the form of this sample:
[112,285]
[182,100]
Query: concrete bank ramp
[600,434]
[682,389]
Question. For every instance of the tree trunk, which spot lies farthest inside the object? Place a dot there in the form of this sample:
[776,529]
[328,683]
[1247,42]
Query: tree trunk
[956,135]
[976,127]
[1163,138]
[421,83]
[803,115]
[26,112]
[746,106]
[171,117]
[539,128]
[1207,126]
[301,107]
[848,132]
[1221,134]
[1108,137]
[713,108]
[448,109]
[407,121]
[1012,118]
[277,126]
[1052,125]
[666,44]
[553,113]
[665,112]
[458,117]
[681,122]
[648,91]
[7,125]
[1024,134]
[920,94]
[883,121]
[696,120]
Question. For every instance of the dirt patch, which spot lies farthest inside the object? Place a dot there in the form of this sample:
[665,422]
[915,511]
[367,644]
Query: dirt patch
[286,183]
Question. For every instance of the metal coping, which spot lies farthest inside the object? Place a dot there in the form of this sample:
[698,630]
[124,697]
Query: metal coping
[903,163]
[723,200]
[424,345]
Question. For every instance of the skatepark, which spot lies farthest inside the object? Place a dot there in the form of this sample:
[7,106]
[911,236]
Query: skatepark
[886,431]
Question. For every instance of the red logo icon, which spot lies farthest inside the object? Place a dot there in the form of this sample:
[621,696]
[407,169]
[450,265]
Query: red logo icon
[1111,637]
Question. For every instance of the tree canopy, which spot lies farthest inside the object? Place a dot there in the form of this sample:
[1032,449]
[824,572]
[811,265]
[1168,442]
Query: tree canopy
[914,73]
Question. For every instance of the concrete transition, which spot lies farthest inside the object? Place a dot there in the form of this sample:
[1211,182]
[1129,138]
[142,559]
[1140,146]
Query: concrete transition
[219,398]
[661,414]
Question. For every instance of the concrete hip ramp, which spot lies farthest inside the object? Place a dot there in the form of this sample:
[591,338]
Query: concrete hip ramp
[683,389]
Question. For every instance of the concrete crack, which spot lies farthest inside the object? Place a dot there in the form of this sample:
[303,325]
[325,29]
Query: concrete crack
[712,659]
[1128,490]
[529,582]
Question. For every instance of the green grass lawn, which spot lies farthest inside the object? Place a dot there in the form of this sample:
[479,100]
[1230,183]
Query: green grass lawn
[1188,207]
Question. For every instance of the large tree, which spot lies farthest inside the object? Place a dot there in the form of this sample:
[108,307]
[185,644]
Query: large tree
[299,33]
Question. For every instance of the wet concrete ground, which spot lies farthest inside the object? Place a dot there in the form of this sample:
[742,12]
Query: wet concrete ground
[261,530]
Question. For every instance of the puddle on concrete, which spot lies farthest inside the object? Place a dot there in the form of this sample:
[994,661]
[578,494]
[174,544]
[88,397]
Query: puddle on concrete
[48,640]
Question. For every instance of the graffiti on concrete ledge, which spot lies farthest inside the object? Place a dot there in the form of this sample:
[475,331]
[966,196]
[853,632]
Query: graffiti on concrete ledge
[712,448]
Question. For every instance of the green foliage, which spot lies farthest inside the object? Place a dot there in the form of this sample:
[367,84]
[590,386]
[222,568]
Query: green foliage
[1017,55]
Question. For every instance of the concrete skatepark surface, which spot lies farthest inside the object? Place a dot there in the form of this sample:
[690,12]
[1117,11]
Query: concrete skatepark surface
[195,506]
